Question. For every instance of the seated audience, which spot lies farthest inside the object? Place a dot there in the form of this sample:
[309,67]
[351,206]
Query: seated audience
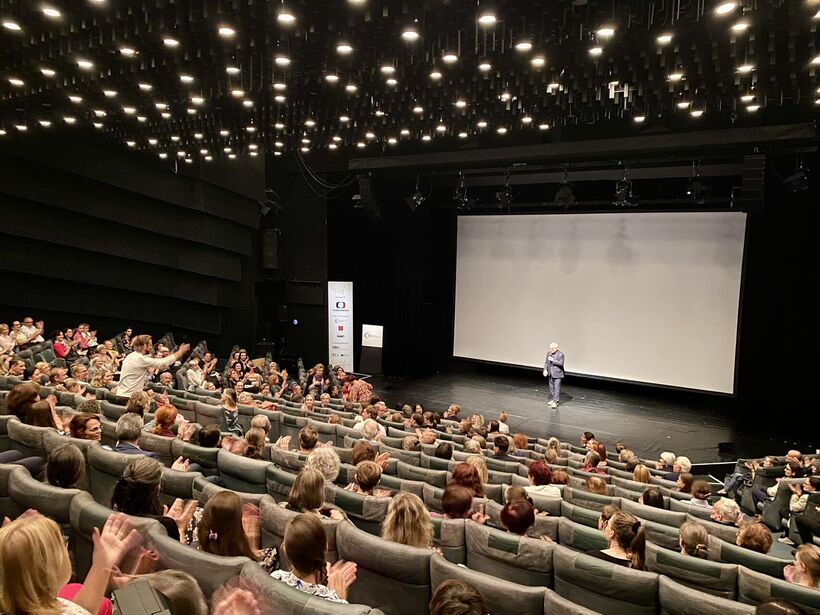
[592,462]
[606,514]
[262,422]
[518,516]
[308,495]
[684,484]
[700,493]
[367,477]
[305,546]
[793,469]
[85,426]
[255,440]
[128,430]
[66,467]
[596,484]
[560,477]
[540,478]
[681,465]
[20,399]
[164,419]
[411,443]
[586,437]
[726,512]
[139,403]
[479,464]
[627,541]
[641,474]
[362,451]
[652,497]
[755,537]
[467,476]
[407,521]
[137,494]
[456,503]
[326,460]
[806,568]
[501,445]
[35,565]
[473,447]
[42,414]
[778,607]
[444,451]
[454,597]
[694,540]
[665,461]
[503,426]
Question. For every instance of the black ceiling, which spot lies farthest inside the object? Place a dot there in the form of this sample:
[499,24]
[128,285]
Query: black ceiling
[629,79]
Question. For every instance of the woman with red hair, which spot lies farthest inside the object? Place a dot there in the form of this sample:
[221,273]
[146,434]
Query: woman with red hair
[466,475]
[540,477]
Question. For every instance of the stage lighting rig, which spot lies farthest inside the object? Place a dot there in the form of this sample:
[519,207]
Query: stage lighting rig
[697,190]
[564,195]
[417,198]
[505,197]
[623,191]
[798,181]
[460,198]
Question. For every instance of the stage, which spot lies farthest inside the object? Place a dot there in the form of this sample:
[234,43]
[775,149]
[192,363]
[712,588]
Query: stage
[649,420]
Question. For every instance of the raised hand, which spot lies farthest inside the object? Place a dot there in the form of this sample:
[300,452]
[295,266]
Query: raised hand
[181,511]
[250,523]
[382,459]
[340,576]
[235,601]
[283,442]
[117,538]
[181,465]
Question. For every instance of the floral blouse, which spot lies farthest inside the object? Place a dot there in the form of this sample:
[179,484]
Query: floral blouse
[322,591]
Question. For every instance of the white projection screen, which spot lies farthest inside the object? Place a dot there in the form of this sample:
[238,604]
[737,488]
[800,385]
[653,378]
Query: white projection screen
[643,297]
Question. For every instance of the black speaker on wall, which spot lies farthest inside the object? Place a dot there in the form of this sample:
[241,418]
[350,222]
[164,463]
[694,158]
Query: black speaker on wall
[270,248]
[283,313]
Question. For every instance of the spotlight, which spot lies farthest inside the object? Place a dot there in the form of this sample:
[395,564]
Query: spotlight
[417,198]
[724,8]
[697,190]
[487,19]
[462,202]
[410,35]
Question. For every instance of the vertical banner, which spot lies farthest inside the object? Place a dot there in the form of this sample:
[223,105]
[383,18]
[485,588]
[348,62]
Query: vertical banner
[340,324]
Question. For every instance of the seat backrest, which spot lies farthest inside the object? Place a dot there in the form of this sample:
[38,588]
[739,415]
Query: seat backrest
[679,599]
[602,586]
[54,502]
[104,469]
[549,505]
[27,439]
[205,457]
[432,497]
[208,414]
[518,559]
[241,473]
[210,571]
[700,574]
[650,513]
[724,532]
[175,484]
[273,520]
[400,484]
[437,478]
[161,445]
[755,587]
[366,512]
[593,501]
[702,512]
[7,506]
[111,411]
[278,482]
[52,440]
[580,537]
[580,473]
[392,577]
[555,604]
[412,458]
[500,597]
[449,538]
[628,483]
[580,515]
[282,599]
[204,490]
[778,508]
[666,536]
[730,553]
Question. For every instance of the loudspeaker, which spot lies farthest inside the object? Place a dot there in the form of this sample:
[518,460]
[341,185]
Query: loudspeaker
[754,180]
[270,248]
[283,313]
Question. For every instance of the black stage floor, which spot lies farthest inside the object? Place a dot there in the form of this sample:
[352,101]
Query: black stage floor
[649,420]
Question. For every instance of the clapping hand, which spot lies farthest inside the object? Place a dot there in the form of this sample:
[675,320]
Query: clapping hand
[283,442]
[117,538]
[181,464]
[235,601]
[340,576]
[796,488]
[181,511]
[382,459]
[52,401]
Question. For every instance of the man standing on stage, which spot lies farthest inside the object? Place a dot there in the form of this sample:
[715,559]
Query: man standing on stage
[554,372]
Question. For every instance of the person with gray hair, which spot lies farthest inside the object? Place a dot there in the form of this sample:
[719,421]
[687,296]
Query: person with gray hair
[472,446]
[554,373]
[127,432]
[326,460]
[371,430]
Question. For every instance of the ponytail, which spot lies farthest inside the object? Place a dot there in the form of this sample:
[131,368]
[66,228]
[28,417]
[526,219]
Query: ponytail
[637,548]
[629,533]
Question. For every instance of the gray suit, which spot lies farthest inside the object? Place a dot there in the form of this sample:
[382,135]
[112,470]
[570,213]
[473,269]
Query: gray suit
[555,371]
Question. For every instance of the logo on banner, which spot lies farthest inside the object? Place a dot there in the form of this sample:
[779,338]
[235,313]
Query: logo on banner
[341,305]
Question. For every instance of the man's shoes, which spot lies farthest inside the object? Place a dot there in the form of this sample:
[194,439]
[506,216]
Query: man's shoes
[785,540]
[552,405]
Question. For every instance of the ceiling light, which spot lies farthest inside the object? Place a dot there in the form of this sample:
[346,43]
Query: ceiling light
[223,133]
[249,103]
[199,136]
[203,152]
[131,143]
[209,158]
[639,119]
[410,35]
[175,138]
[344,48]
[523,46]
[387,69]
[285,16]
[696,112]
[485,67]
[3,132]
[606,32]
[226,31]
[435,75]
[449,57]
[482,124]
[304,149]
[282,60]
[142,118]
[279,126]
[232,70]
[332,78]
[505,96]
[379,113]
[227,150]
[361,144]
[85,64]
[161,106]
[664,39]
[404,132]
[45,123]
[166,115]
[487,19]
[48,72]
[724,8]
[182,153]
[16,82]
[253,147]
[684,104]
[237,93]
[538,61]
[543,126]
[186,78]
[278,144]
[254,154]
[745,69]
[163,155]
[815,60]
[501,130]
[278,85]
[278,98]
[152,141]
[75,99]
[336,138]
[128,52]
[99,113]
[11,25]
[21,127]
[51,12]
[418,109]
[740,26]
[392,141]
[596,51]
[747,98]
[344,119]
[146,87]
[426,138]
[250,129]
[553,85]
[351,87]
[460,103]
[441,128]
[110,93]
[369,135]
[305,141]
[753,108]
[462,135]
[68,119]
[526,120]
[170,42]
[391,81]
[310,123]
[197,100]
[674,77]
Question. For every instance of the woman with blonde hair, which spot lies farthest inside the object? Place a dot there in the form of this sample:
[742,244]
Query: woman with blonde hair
[641,474]
[35,565]
[694,540]
[309,403]
[806,568]
[408,522]
[256,442]
[481,465]
[139,403]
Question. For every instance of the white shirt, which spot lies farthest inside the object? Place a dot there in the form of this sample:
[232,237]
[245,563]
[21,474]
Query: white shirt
[503,428]
[29,331]
[134,369]
[547,490]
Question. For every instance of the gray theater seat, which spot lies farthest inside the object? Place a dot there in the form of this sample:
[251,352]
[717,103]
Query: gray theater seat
[26,492]
[53,440]
[207,414]
[449,538]
[7,506]
[755,587]
[581,474]
[520,559]
[27,439]
[205,457]
[161,445]
[273,520]
[366,512]
[437,478]
[283,599]
[730,553]
[700,574]
[679,599]
[175,484]
[724,532]
[500,597]
[580,515]
[580,537]
[558,605]
[701,512]
[545,524]
[241,473]
[604,587]
[204,490]
[290,460]
[399,484]
[432,497]
[104,468]
[412,458]
[391,577]
[278,482]
[592,501]
[650,513]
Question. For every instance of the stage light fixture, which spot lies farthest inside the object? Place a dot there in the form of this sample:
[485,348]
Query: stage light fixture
[564,193]
[523,45]
[48,72]
[435,75]
[487,19]
[410,35]
[13,26]
[664,39]
[50,11]
[16,82]
[485,67]
[697,190]
[724,8]
[417,198]
[799,181]
[460,198]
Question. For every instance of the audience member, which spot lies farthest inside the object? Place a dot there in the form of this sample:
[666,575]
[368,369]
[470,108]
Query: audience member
[681,465]
[652,497]
[255,440]
[164,419]
[479,464]
[367,477]
[700,493]
[455,597]
[641,474]
[20,399]
[684,484]
[755,537]
[806,568]
[500,447]
[726,512]
[85,426]
[66,467]
[137,493]
[518,516]
[540,478]
[778,607]
[444,451]
[627,541]
[229,421]
[128,430]
[326,460]
[595,484]
[467,476]
[591,462]
[560,477]
[407,521]
[42,414]
[694,540]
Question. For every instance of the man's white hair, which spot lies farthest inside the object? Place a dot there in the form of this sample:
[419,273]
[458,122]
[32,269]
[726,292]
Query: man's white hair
[553,345]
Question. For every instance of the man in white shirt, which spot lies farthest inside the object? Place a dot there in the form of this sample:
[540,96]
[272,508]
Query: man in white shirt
[33,333]
[134,368]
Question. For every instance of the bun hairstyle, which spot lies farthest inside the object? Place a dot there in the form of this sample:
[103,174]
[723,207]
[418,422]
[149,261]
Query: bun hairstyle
[628,533]
[694,540]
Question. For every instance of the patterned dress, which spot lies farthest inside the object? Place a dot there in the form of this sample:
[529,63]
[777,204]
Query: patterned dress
[322,591]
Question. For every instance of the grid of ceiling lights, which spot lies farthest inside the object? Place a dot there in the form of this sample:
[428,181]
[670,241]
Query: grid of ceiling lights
[185,146]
